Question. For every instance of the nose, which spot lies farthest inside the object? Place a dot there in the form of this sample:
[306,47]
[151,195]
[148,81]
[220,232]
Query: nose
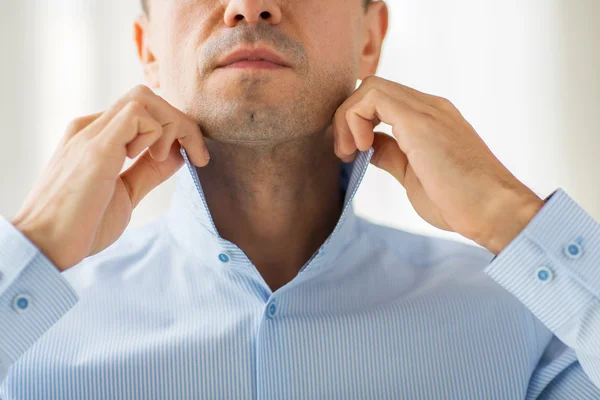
[252,11]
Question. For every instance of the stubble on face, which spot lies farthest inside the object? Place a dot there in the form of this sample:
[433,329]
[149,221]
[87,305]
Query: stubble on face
[261,108]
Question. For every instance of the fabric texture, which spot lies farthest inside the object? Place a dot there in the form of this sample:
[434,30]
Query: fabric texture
[174,311]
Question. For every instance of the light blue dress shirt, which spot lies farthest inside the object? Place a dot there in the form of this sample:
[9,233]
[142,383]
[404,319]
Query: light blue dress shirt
[174,311]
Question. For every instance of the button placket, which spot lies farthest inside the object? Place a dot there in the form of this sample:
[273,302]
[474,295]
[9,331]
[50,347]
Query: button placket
[272,309]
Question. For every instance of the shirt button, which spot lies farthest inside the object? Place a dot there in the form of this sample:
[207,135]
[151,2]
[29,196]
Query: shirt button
[21,302]
[573,251]
[224,257]
[272,309]
[544,274]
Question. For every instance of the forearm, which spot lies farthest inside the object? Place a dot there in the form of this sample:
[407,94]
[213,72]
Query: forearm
[33,295]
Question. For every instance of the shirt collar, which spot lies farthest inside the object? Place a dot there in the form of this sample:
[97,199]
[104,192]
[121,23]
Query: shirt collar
[193,228]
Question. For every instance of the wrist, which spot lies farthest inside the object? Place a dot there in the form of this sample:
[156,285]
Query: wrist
[39,237]
[510,214]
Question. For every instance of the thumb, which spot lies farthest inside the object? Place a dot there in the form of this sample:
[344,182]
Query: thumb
[146,173]
[389,157]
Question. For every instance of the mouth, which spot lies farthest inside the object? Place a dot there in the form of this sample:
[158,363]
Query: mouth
[253,58]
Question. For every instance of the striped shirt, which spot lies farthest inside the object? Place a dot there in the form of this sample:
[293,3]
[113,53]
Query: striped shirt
[174,311]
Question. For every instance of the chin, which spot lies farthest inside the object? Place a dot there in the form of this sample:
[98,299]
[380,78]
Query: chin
[256,122]
[264,108]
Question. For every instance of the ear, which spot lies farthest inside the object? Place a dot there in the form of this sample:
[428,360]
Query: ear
[374,31]
[142,40]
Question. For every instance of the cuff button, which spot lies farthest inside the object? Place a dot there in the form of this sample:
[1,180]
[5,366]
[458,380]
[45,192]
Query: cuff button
[21,302]
[574,251]
[544,274]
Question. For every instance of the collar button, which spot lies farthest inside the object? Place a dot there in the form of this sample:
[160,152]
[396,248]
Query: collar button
[224,257]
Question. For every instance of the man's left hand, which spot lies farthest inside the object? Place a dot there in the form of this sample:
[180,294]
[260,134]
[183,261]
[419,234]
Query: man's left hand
[451,177]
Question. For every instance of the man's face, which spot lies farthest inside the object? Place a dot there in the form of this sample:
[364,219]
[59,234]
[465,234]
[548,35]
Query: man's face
[320,43]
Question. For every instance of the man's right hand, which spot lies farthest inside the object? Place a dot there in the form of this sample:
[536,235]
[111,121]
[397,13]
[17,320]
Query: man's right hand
[82,203]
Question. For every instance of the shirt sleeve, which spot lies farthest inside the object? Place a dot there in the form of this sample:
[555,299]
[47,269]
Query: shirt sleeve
[553,268]
[33,295]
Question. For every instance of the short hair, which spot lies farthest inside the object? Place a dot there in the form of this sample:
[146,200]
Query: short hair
[146,9]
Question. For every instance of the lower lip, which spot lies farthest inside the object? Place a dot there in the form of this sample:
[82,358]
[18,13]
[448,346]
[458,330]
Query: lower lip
[254,65]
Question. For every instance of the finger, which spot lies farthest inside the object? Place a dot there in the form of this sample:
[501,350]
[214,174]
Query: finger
[132,121]
[389,157]
[160,150]
[361,126]
[139,94]
[378,105]
[416,99]
[193,142]
[77,125]
[143,141]
[336,144]
[177,125]
[371,88]
[195,145]
[146,173]
[344,146]
[81,123]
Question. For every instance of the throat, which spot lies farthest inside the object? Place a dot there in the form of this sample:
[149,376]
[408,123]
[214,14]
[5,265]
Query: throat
[280,257]
[277,204]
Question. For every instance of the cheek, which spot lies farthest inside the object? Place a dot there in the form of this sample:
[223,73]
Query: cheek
[179,42]
[331,40]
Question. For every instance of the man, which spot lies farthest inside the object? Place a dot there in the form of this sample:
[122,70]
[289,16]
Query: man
[260,282]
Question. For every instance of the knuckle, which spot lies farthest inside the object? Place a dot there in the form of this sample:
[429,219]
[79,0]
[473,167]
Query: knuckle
[169,131]
[75,125]
[370,80]
[374,93]
[429,120]
[134,107]
[140,91]
[427,123]
[155,129]
[349,113]
[340,114]
[175,125]
[444,103]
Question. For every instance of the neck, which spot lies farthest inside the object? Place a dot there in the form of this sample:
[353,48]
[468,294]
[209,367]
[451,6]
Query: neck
[278,202]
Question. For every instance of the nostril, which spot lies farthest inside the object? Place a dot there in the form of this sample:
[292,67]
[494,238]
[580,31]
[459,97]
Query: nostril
[265,15]
[239,17]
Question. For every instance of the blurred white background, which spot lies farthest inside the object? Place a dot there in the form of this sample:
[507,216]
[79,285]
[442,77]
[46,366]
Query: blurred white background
[525,74]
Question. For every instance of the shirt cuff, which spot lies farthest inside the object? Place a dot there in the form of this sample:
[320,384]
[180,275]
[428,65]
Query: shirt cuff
[33,295]
[552,266]
[16,252]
